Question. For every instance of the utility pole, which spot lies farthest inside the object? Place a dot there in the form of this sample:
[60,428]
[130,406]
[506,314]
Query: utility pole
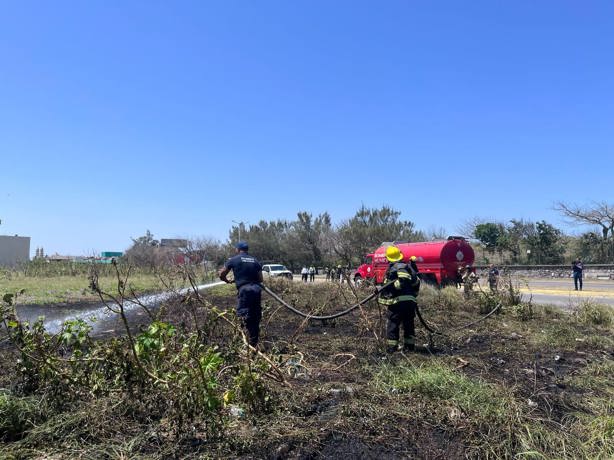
[240,224]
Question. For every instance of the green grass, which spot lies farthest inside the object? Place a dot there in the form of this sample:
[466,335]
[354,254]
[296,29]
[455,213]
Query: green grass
[55,289]
[17,415]
[438,382]
[448,298]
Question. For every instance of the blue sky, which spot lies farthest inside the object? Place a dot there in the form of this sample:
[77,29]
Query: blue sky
[180,117]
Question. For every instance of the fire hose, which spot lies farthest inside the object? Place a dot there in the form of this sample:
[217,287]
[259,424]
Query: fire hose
[371,297]
[317,317]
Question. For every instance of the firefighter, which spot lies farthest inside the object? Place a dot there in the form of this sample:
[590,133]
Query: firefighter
[493,278]
[469,278]
[248,277]
[400,298]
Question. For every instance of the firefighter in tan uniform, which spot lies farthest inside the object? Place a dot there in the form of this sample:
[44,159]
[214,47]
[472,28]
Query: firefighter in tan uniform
[400,298]
[469,279]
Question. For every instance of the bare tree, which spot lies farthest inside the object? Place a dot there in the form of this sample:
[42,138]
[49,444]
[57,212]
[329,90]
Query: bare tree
[467,228]
[600,214]
[435,233]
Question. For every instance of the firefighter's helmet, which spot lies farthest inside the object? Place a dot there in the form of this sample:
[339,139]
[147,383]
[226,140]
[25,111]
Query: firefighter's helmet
[393,254]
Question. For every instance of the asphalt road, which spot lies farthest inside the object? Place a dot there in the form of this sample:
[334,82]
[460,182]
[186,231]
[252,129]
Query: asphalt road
[553,291]
[560,291]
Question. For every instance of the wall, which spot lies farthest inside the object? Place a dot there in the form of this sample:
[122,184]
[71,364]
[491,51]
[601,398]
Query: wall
[593,271]
[14,250]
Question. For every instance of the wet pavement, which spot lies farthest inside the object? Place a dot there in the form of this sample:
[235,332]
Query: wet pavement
[103,320]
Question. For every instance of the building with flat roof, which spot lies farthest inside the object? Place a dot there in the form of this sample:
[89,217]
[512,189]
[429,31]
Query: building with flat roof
[14,250]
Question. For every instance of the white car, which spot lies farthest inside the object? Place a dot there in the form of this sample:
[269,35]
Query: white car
[275,270]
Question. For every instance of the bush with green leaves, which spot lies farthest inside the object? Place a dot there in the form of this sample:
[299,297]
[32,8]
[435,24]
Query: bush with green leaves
[595,314]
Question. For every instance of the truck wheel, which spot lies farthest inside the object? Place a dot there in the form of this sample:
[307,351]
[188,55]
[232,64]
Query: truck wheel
[358,281]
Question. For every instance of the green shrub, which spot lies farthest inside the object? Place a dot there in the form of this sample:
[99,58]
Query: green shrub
[595,314]
[523,311]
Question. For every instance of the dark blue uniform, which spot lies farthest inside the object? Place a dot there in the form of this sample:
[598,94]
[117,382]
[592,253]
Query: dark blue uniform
[400,298]
[246,270]
[577,268]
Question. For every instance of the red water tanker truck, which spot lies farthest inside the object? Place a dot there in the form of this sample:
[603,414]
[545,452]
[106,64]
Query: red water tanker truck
[438,261]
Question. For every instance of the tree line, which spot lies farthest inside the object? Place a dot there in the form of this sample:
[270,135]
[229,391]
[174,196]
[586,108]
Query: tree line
[314,240]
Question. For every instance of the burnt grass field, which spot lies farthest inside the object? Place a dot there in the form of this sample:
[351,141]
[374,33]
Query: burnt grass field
[528,382]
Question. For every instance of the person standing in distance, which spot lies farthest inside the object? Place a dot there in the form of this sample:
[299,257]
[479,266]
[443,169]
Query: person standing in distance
[577,268]
[247,272]
[493,278]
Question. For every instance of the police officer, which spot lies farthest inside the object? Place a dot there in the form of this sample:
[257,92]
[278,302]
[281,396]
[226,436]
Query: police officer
[577,267]
[248,276]
[400,298]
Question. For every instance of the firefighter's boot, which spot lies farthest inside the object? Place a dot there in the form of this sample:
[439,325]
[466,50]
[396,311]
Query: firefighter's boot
[392,346]
[409,343]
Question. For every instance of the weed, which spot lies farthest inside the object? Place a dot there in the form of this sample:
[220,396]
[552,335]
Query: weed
[595,314]
[18,415]
[523,311]
[562,334]
[448,298]
[439,382]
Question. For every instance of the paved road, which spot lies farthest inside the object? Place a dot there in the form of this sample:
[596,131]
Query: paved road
[554,291]
[560,291]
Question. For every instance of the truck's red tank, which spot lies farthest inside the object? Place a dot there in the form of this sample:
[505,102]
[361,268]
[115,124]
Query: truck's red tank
[438,260]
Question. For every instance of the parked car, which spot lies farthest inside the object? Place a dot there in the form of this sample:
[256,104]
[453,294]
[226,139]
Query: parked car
[275,270]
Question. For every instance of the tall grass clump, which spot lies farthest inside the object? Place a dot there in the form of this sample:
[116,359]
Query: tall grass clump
[595,314]
[447,298]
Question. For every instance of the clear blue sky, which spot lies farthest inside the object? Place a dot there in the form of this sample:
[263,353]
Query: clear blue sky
[180,117]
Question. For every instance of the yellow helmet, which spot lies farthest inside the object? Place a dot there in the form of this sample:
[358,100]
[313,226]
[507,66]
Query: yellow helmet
[393,254]
[413,258]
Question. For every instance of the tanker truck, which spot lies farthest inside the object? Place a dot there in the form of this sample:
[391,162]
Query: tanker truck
[438,261]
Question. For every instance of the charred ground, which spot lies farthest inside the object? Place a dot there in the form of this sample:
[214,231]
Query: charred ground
[527,382]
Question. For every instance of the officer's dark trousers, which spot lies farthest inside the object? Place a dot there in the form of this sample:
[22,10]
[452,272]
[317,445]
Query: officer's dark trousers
[577,279]
[249,310]
[401,314]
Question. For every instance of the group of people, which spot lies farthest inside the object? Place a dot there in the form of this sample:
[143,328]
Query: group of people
[399,291]
[468,277]
[335,273]
[308,274]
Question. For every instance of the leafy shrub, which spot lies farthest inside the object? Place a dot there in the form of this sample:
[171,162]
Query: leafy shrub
[595,314]
[523,311]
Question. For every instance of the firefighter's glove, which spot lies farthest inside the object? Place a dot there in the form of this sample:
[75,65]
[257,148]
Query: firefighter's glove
[397,284]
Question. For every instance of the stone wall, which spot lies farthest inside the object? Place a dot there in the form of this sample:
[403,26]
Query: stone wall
[553,271]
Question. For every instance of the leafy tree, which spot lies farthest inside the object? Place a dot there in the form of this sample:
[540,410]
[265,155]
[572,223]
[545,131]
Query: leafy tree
[368,229]
[143,252]
[146,240]
[514,238]
[490,235]
[267,240]
[546,245]
[310,235]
